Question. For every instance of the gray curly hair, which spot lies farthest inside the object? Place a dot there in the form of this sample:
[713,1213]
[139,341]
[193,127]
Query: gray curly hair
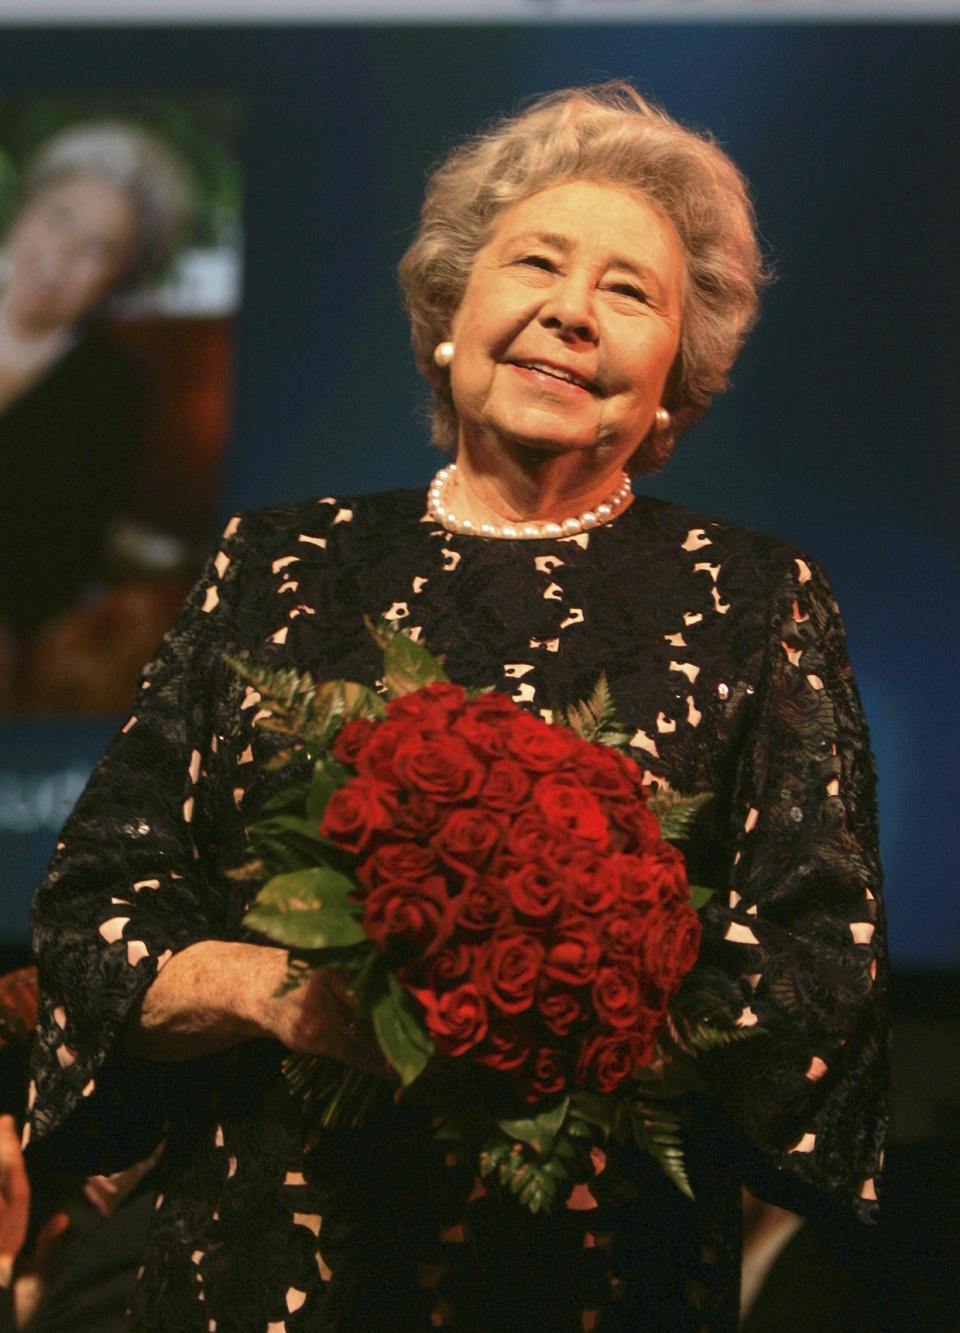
[150,174]
[606,133]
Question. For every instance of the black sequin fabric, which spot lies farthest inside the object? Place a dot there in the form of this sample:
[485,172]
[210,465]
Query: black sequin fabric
[726,659]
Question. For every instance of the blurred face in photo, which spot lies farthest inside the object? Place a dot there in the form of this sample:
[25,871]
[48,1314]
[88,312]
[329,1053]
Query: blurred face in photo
[69,249]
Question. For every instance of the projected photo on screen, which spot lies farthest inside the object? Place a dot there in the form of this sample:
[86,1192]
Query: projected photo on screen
[120,277]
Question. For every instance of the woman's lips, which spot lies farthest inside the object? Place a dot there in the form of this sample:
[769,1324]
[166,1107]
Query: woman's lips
[556,378]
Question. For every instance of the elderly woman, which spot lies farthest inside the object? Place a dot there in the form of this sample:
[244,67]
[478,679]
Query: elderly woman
[581,280]
[103,205]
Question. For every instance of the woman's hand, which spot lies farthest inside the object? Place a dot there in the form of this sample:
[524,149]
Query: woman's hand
[217,993]
[14,1198]
[318,1017]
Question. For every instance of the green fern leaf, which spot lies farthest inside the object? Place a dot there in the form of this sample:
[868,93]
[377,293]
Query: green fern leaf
[285,698]
[656,1130]
[676,814]
[701,1021]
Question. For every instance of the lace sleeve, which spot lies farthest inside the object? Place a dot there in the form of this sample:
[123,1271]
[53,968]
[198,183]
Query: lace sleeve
[802,929]
[128,886]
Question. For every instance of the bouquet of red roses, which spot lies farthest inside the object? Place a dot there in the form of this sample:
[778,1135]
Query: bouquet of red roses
[515,924]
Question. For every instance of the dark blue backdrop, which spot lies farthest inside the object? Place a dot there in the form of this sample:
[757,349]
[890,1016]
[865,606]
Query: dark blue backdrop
[840,432]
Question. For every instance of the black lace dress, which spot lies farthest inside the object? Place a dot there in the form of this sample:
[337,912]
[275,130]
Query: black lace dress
[726,658]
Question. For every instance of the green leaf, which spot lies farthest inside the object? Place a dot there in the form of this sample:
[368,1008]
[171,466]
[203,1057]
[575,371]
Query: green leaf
[700,895]
[656,1130]
[287,843]
[492,1155]
[401,1035]
[289,799]
[594,718]
[700,1020]
[285,698]
[328,777]
[407,665]
[307,909]
[336,701]
[539,1158]
[296,705]
[589,1111]
[539,1131]
[282,824]
[676,814]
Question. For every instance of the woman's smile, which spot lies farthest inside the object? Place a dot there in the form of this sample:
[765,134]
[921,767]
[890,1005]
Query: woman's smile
[554,379]
[541,373]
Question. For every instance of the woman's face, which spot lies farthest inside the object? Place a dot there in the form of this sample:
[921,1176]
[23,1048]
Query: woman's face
[569,324]
[70,247]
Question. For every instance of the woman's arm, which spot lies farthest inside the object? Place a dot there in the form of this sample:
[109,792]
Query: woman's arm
[138,875]
[802,929]
[216,993]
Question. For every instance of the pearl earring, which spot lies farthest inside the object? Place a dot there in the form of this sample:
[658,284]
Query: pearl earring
[662,419]
[443,355]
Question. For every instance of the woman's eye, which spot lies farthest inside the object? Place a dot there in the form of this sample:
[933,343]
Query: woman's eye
[631,290]
[538,261]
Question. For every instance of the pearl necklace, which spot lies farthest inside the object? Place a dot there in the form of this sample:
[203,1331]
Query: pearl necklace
[567,527]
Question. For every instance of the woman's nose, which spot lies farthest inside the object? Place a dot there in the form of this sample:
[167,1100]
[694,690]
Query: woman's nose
[569,309]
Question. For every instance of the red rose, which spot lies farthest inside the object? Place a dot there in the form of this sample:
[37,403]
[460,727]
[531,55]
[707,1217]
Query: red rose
[537,745]
[457,1019]
[564,802]
[547,1073]
[664,873]
[468,839]
[530,836]
[617,994]
[355,812]
[352,739]
[484,735]
[607,773]
[537,890]
[506,1047]
[482,907]
[670,946]
[411,917]
[449,965]
[593,887]
[442,768]
[651,878]
[623,930]
[429,706]
[506,786]
[606,1060]
[634,826]
[418,817]
[572,955]
[392,861]
[497,711]
[562,1010]
[508,969]
[376,758]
